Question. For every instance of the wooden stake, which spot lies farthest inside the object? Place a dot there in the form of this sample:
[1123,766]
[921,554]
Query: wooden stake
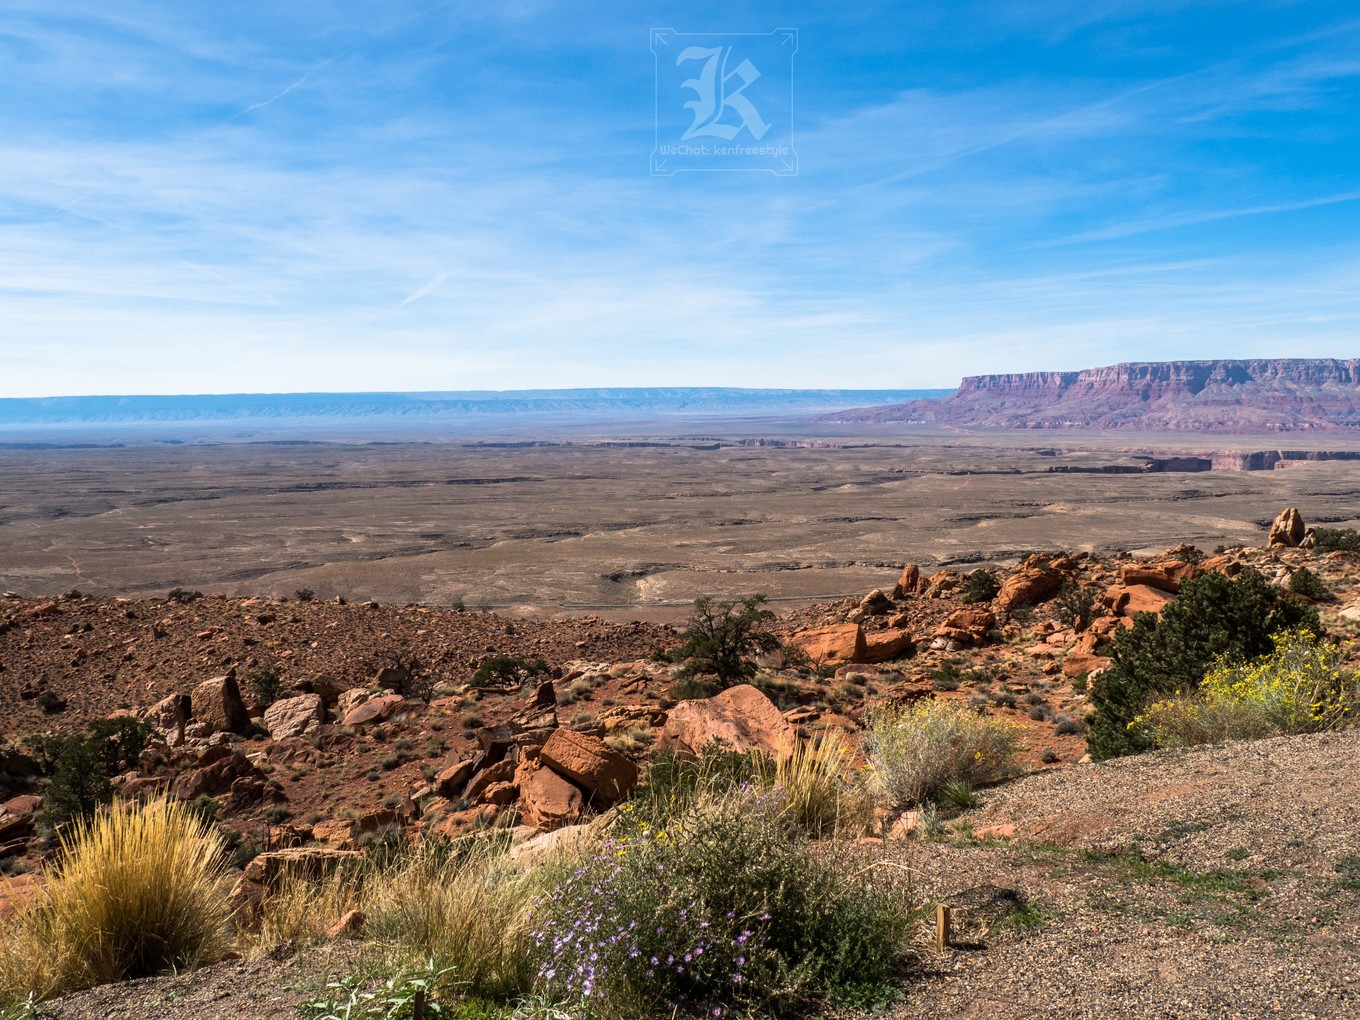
[943,934]
[418,1005]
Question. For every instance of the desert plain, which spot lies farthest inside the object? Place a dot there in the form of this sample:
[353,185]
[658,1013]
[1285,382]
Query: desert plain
[630,521]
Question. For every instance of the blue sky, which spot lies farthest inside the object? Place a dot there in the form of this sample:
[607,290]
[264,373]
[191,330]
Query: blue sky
[357,196]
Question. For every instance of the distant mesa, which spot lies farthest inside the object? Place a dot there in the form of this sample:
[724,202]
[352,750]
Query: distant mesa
[1249,397]
[467,405]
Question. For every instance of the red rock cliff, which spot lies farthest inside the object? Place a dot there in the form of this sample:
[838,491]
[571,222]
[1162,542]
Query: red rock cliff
[1270,395]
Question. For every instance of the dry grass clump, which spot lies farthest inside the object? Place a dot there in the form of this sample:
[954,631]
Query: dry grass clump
[466,908]
[915,751]
[461,904]
[137,891]
[823,793]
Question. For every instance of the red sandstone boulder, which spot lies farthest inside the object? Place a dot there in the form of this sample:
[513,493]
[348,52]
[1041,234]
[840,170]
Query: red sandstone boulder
[546,800]
[1078,663]
[590,763]
[1139,598]
[875,603]
[217,704]
[500,772]
[1168,575]
[373,710]
[909,583]
[841,642]
[740,718]
[294,717]
[1026,587]
[968,626]
[1286,530]
[883,645]
[267,871]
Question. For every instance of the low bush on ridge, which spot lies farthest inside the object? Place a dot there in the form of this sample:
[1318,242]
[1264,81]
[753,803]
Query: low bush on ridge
[727,909]
[136,892]
[1303,686]
[916,750]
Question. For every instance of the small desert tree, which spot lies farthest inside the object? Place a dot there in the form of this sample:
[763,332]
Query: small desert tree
[722,637]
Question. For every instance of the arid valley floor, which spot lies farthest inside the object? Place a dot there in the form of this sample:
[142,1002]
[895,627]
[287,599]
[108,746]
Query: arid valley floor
[632,522]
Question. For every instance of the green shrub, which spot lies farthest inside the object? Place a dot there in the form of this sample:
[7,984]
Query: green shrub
[81,767]
[1213,619]
[137,892]
[351,999]
[1336,539]
[1076,605]
[729,908]
[916,750]
[721,638]
[304,595]
[183,595]
[980,586]
[673,782]
[508,671]
[266,682]
[1306,583]
[1303,686]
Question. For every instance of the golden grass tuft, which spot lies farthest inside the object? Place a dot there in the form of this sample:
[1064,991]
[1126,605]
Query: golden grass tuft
[463,905]
[822,791]
[137,891]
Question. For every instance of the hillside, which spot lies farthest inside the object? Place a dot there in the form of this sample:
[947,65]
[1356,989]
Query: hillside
[1246,397]
[1219,882]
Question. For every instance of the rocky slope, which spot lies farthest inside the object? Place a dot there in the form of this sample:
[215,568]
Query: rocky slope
[1249,396]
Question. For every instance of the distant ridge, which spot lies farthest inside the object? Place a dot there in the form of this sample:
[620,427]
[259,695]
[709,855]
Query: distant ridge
[435,407]
[1224,396]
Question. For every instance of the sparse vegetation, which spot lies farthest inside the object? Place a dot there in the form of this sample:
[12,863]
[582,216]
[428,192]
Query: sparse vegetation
[722,637]
[183,596]
[508,671]
[81,767]
[1304,685]
[1213,620]
[980,585]
[749,918]
[1075,604]
[1336,539]
[265,682]
[914,751]
[1306,583]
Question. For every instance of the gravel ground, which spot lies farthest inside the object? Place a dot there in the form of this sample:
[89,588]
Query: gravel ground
[1223,882]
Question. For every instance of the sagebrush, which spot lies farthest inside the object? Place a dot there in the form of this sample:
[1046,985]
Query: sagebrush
[916,750]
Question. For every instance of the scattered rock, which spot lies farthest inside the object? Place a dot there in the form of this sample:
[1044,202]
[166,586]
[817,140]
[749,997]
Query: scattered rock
[740,718]
[837,643]
[348,927]
[909,583]
[1028,586]
[970,625]
[373,710]
[217,705]
[546,800]
[590,763]
[1286,530]
[883,645]
[294,717]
